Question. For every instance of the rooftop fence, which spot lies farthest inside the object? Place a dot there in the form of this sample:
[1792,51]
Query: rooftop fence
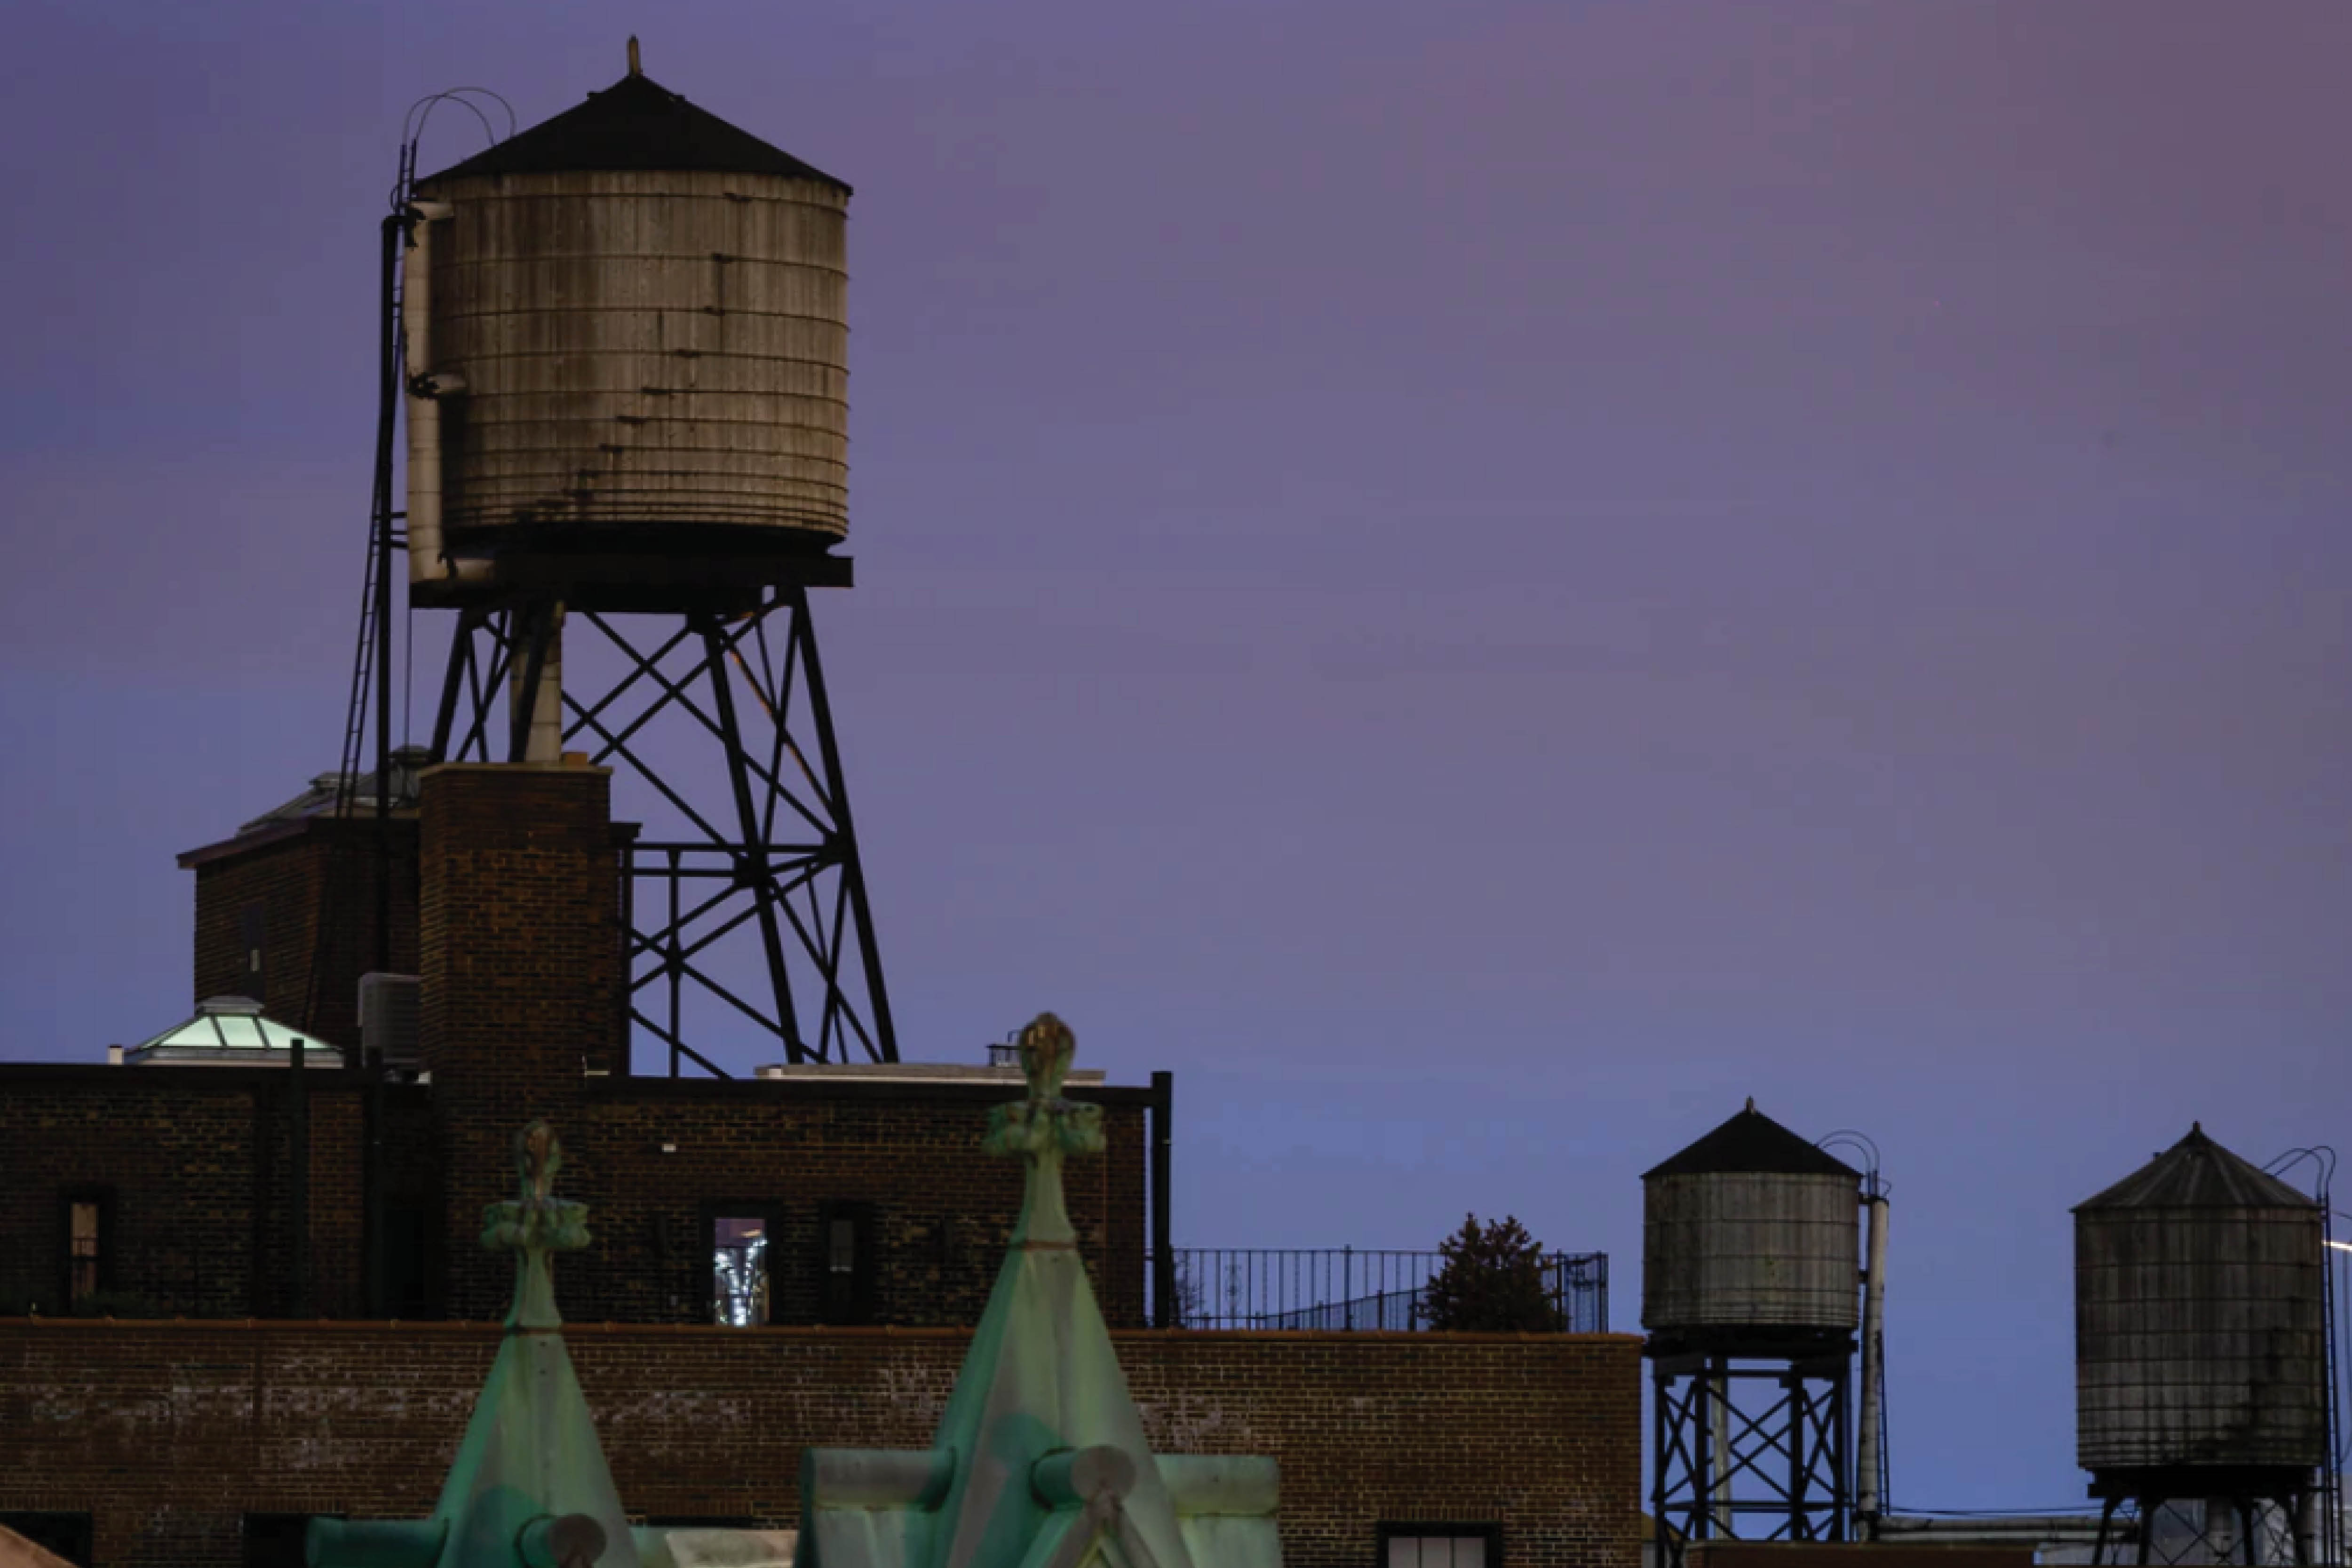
[1357,1288]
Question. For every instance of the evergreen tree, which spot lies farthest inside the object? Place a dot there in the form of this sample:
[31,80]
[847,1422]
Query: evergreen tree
[1492,1280]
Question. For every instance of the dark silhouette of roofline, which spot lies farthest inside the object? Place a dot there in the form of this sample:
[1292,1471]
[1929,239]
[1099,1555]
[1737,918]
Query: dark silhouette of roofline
[2198,1173]
[635,125]
[1752,1144]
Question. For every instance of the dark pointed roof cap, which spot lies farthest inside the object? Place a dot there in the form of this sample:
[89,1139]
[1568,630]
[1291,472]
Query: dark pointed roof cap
[635,124]
[2198,1173]
[1752,1144]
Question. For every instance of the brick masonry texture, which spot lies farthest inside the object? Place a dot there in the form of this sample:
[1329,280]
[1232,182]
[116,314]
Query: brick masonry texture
[167,1432]
[942,1210]
[520,937]
[198,1161]
[315,883]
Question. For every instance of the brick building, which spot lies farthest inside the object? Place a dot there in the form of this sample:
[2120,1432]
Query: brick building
[302,1310]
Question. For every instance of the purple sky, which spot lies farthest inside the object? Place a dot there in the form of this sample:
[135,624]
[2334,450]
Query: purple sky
[1480,580]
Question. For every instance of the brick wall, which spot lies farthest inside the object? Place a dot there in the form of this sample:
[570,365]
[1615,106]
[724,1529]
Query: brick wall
[315,882]
[167,1432]
[941,1210]
[200,1160]
[191,1158]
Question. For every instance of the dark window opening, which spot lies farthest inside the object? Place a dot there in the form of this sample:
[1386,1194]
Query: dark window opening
[66,1534]
[1448,1545]
[411,1231]
[737,1238]
[87,1218]
[845,1238]
[276,1540]
[253,946]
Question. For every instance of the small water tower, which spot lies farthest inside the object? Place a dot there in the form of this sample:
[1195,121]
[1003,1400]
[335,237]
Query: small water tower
[623,369]
[1751,1269]
[2200,1370]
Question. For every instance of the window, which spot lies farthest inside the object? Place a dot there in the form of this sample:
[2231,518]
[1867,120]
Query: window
[844,1234]
[253,947]
[66,1534]
[86,1219]
[412,1227]
[1414,1545]
[739,1237]
[276,1540]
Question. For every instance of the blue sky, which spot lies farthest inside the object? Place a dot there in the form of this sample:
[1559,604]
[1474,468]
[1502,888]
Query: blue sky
[1480,582]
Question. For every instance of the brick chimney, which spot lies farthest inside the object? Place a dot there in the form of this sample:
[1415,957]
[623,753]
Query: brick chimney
[521,958]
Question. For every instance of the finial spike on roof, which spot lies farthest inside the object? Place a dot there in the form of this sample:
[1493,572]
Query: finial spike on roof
[637,65]
[1751,1102]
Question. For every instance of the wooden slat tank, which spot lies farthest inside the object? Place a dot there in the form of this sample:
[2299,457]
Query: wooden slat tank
[631,325]
[1751,1230]
[2198,1319]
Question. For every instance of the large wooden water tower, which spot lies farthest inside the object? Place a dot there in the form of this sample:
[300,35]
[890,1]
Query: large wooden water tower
[2200,1362]
[624,365]
[1751,1273]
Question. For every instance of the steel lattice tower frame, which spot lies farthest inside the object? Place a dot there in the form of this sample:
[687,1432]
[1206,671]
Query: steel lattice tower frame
[776,851]
[1774,1466]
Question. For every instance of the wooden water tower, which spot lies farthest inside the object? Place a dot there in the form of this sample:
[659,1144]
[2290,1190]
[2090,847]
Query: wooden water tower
[2200,1362]
[1750,1268]
[623,361]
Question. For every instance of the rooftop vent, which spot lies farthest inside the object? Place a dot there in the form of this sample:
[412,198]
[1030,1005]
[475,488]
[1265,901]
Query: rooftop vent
[388,1019]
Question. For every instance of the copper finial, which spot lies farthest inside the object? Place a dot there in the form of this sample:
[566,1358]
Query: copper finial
[636,66]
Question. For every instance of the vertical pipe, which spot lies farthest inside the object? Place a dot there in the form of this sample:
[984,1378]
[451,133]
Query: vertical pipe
[1718,1443]
[1867,1502]
[535,686]
[1666,1539]
[1163,1256]
[624,1063]
[674,964]
[1800,1526]
[371,1216]
[298,1184]
[373,1287]
[540,704]
[425,562]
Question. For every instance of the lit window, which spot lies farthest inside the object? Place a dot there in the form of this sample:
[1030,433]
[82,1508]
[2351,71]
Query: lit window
[1440,1546]
[738,1270]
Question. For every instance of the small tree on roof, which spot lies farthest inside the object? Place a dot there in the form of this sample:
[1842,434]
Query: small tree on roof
[1492,1281]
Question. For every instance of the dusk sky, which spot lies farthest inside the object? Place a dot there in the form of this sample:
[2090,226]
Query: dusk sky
[1480,580]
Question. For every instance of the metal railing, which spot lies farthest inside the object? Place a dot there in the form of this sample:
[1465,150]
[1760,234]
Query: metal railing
[1352,1289]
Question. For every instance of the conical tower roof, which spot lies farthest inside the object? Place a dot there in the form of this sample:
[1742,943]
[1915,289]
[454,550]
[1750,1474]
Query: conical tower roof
[2198,1173]
[1752,1144]
[1041,1457]
[530,1475]
[635,124]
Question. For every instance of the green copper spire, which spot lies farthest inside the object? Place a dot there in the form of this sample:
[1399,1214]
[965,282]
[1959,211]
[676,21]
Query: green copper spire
[529,1485]
[1040,1461]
